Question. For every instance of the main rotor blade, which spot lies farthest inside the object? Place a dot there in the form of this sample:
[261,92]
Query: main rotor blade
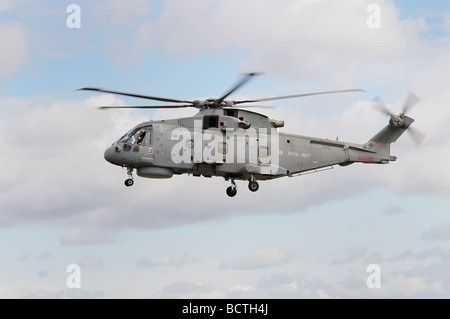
[237,86]
[411,100]
[136,95]
[145,107]
[295,96]
[259,106]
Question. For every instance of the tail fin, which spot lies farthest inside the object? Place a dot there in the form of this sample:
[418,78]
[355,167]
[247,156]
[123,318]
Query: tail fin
[381,142]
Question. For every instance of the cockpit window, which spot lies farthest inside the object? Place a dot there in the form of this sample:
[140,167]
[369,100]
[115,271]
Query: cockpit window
[131,137]
[137,136]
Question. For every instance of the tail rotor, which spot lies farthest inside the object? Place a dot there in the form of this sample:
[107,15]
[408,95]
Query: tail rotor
[399,120]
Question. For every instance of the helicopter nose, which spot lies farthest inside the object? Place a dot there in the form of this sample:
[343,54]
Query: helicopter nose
[110,153]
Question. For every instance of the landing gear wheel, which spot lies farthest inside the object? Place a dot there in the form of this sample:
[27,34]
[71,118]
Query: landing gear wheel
[129,182]
[231,191]
[253,186]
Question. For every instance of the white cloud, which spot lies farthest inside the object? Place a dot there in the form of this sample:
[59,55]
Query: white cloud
[409,287]
[14,53]
[176,261]
[197,290]
[6,5]
[302,40]
[85,236]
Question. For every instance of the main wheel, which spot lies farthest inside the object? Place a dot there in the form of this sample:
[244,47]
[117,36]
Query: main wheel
[253,186]
[129,182]
[231,191]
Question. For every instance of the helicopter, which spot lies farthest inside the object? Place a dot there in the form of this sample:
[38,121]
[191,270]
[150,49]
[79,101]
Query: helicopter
[224,139]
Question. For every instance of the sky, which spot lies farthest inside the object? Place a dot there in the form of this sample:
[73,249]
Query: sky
[313,236]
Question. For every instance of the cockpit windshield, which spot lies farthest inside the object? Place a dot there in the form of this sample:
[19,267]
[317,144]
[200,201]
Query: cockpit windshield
[136,136]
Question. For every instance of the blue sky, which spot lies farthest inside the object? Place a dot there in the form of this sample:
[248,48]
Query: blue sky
[304,237]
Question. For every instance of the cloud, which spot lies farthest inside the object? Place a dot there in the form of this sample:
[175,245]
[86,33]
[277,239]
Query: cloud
[46,255]
[187,287]
[437,233]
[176,261]
[179,260]
[354,253]
[266,257]
[121,14]
[393,210]
[410,286]
[146,263]
[89,262]
[26,293]
[14,53]
[83,236]
[22,258]
[292,285]
[291,45]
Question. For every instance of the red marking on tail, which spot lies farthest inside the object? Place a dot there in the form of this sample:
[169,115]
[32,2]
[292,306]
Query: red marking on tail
[366,158]
[379,144]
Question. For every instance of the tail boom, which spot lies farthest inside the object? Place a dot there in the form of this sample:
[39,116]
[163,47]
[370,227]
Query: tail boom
[378,149]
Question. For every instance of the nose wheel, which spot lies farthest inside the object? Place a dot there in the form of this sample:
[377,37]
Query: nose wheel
[231,191]
[129,181]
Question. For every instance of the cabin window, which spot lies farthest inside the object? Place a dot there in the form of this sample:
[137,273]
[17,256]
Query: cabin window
[144,138]
[210,121]
[140,138]
[233,113]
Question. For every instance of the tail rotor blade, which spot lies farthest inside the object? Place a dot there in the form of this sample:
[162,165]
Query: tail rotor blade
[416,135]
[411,100]
[379,104]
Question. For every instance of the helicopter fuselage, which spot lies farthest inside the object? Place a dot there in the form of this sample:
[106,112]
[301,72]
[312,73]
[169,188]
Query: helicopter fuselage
[235,144]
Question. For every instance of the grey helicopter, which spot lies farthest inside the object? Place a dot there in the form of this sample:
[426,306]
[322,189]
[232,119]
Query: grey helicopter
[224,139]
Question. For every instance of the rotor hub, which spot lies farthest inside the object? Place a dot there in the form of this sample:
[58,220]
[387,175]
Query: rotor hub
[398,120]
